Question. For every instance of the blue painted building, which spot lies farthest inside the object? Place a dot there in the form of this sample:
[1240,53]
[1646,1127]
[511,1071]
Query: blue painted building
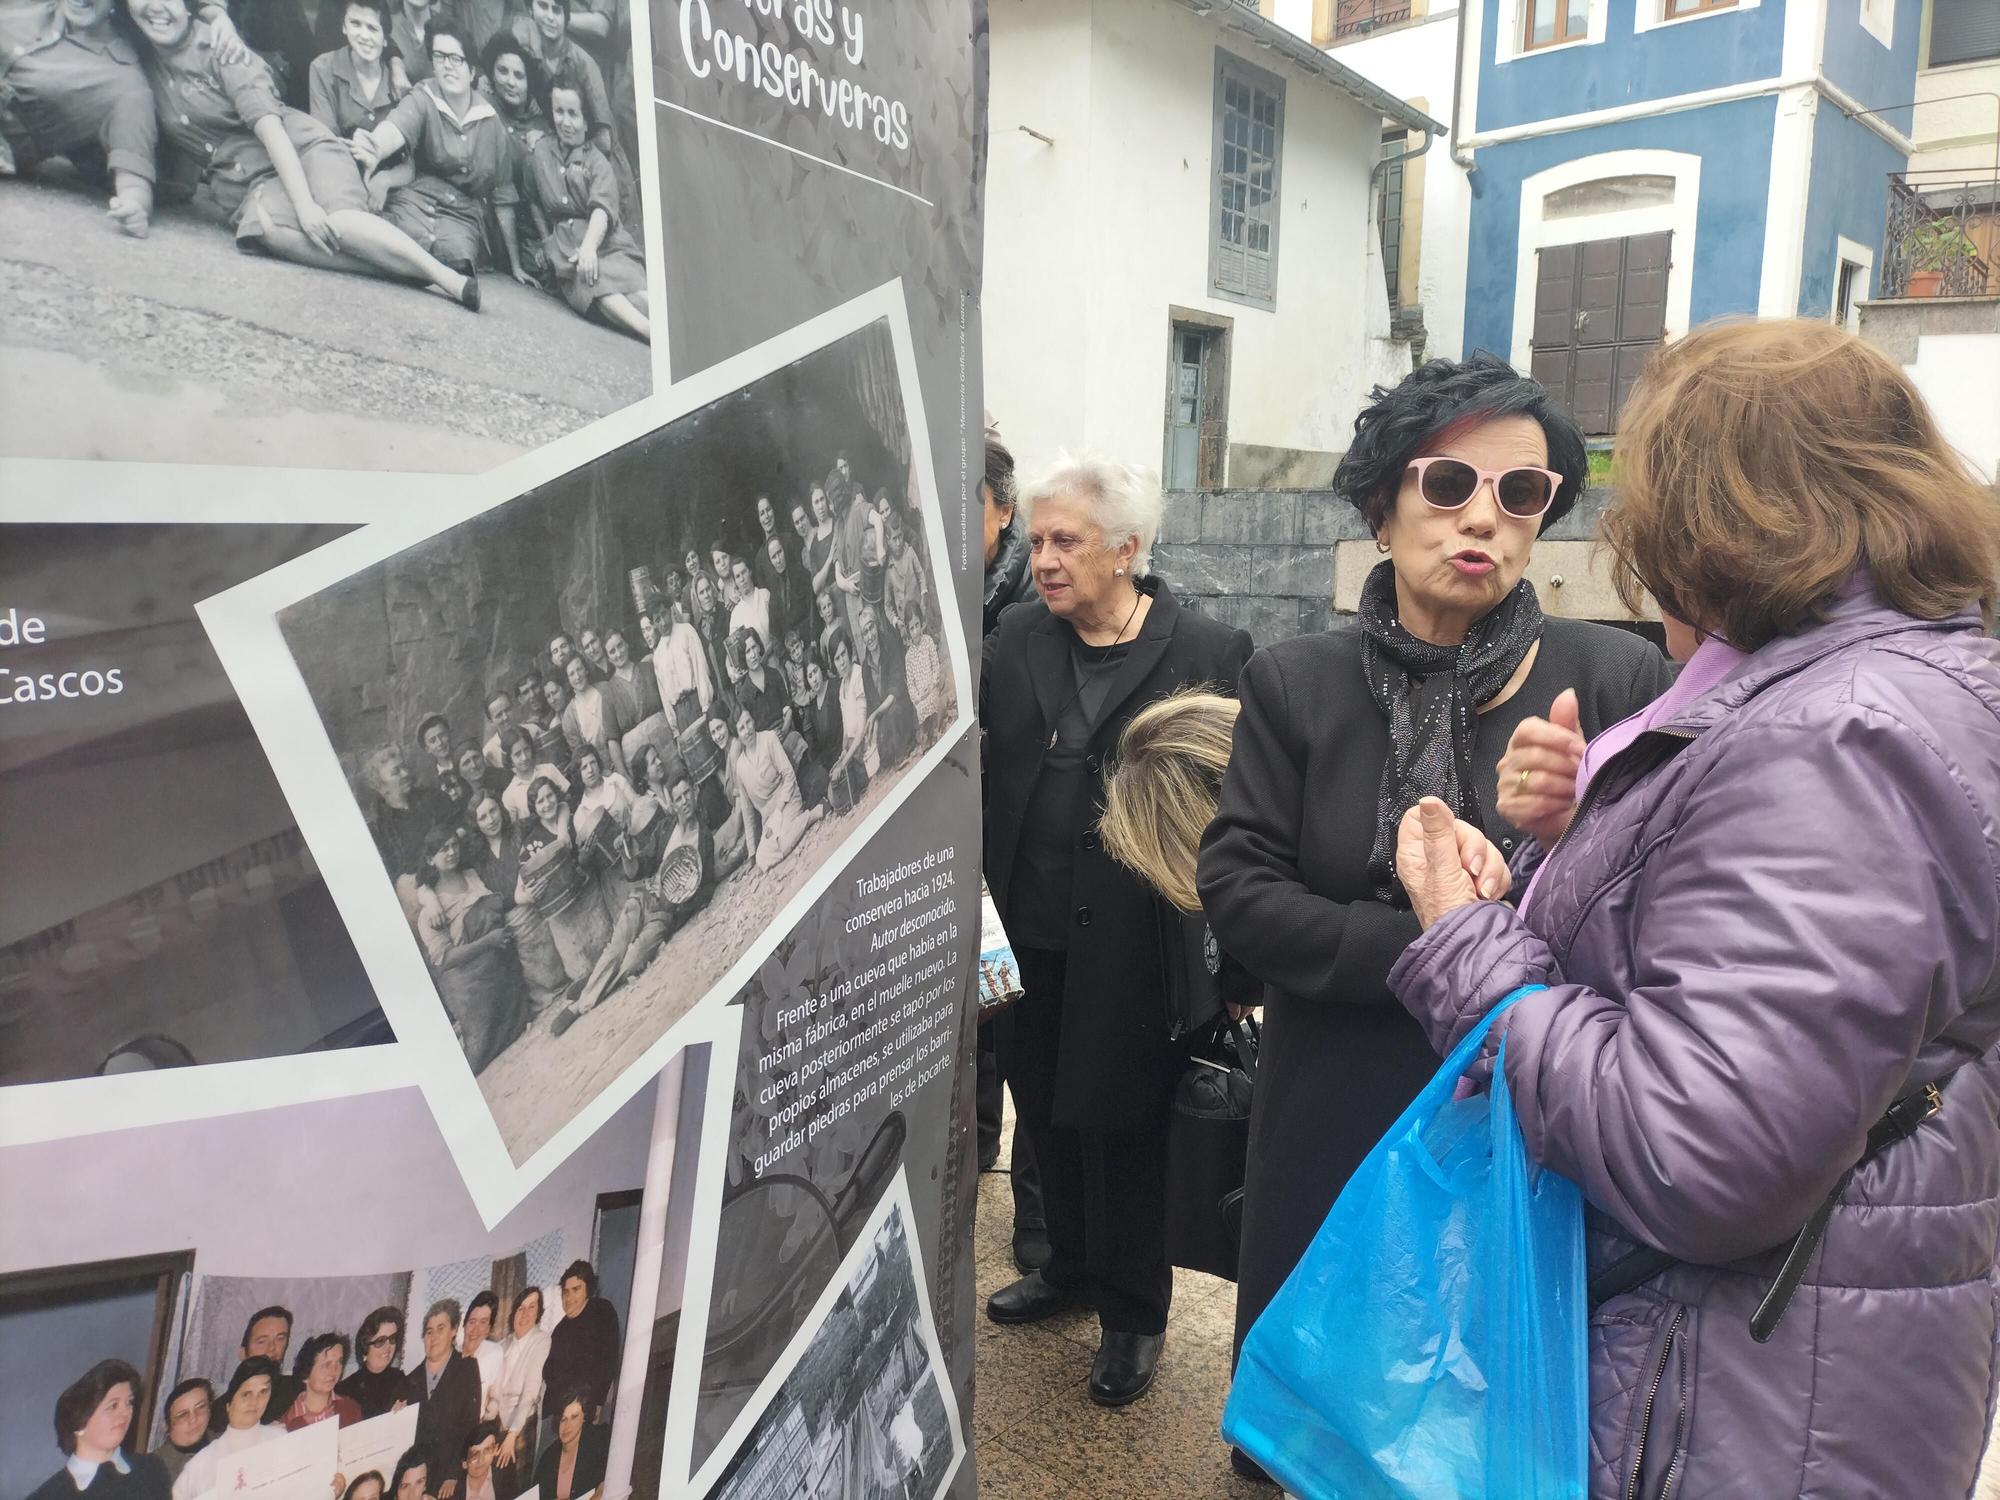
[1641,166]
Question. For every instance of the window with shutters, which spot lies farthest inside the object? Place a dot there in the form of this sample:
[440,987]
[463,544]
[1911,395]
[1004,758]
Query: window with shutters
[1964,31]
[1243,216]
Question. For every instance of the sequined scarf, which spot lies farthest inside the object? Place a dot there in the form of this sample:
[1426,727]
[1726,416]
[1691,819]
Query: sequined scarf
[1431,696]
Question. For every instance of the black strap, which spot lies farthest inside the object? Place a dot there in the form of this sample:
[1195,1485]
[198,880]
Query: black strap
[1639,1266]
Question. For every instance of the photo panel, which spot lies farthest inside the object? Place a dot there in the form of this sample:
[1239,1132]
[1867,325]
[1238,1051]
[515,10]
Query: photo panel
[467,280]
[337,1291]
[861,1406]
[589,752]
[813,148]
[158,906]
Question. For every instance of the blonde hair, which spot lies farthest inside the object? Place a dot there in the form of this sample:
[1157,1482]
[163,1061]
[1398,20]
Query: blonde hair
[1159,795]
[1760,464]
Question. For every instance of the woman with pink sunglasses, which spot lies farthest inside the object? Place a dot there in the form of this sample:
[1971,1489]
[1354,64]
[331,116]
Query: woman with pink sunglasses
[1457,471]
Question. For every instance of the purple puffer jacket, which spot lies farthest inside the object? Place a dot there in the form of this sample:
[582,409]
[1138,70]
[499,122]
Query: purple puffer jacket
[1773,917]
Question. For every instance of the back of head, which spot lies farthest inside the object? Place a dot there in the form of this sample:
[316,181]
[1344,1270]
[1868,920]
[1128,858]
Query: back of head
[1159,795]
[1760,465]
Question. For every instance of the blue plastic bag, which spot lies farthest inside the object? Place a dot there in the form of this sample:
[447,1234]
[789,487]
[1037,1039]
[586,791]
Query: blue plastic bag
[1431,1342]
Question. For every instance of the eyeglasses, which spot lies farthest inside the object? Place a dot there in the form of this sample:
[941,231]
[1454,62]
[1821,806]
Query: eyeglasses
[458,59]
[382,1341]
[1450,484]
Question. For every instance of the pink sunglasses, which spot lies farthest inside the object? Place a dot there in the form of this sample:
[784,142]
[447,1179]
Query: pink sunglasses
[1450,484]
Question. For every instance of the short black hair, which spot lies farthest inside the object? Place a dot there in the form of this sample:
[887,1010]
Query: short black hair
[248,1371]
[582,1269]
[1400,421]
[424,726]
[413,1458]
[505,43]
[314,1347]
[479,1434]
[571,85]
[192,1383]
[485,1299]
[273,1311]
[379,7]
[83,1395]
[1000,472]
[434,28]
[381,1315]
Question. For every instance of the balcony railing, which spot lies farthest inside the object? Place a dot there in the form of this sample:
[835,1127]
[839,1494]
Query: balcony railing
[1943,236]
[1353,18]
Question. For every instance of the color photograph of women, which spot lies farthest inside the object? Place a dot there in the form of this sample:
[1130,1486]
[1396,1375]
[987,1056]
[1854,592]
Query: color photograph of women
[161,1330]
[353,234]
[600,733]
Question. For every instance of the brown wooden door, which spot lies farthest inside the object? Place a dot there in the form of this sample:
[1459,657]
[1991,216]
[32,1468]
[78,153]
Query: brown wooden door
[1600,309]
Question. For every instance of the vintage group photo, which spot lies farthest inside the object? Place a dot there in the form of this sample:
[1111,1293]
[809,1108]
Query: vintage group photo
[864,1413]
[401,235]
[605,733]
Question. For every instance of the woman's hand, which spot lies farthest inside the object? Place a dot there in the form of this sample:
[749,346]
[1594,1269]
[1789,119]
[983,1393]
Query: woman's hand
[317,226]
[505,1457]
[1538,772]
[361,145]
[526,278]
[377,187]
[586,264]
[130,215]
[225,42]
[1445,863]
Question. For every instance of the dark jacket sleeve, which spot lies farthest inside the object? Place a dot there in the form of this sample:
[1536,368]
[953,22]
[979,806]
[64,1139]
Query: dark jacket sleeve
[1249,878]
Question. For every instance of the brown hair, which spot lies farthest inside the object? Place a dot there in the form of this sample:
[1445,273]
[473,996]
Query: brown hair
[1760,464]
[1159,795]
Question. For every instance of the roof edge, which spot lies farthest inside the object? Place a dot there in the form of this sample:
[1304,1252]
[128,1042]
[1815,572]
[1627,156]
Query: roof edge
[1261,31]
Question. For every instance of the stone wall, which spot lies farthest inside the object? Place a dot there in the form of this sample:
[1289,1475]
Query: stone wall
[1280,563]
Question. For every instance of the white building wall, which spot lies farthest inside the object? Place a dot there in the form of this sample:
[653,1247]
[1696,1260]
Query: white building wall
[1091,241]
[1955,133]
[1959,375]
[1416,62]
[1038,284]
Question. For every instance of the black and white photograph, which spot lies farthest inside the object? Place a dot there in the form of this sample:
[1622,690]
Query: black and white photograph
[389,235]
[606,734]
[337,1275]
[863,1414]
[158,906]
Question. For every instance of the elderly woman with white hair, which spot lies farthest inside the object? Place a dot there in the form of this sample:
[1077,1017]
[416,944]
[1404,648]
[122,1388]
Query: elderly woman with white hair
[1090,1058]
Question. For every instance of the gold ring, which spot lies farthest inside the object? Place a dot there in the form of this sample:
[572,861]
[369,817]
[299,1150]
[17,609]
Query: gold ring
[1521,783]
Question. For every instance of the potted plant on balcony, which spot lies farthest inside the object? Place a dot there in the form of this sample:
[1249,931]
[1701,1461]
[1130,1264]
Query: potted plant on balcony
[1934,247]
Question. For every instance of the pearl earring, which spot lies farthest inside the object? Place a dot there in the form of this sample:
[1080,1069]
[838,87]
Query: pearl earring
[1117,572]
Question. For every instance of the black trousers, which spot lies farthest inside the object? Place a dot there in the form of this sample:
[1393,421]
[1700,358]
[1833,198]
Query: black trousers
[1023,1175]
[1104,1193]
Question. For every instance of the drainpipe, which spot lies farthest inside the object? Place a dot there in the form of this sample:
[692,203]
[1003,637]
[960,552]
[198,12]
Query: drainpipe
[1458,155]
[1375,172]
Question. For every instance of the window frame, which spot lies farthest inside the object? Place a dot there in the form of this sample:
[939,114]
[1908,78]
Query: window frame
[1562,37]
[1699,8]
[1973,60]
[1229,67]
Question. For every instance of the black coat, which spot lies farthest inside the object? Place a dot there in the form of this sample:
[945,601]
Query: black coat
[593,1451]
[1117,1067]
[446,1417]
[1284,883]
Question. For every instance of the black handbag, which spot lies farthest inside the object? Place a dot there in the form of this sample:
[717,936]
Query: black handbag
[1208,1147]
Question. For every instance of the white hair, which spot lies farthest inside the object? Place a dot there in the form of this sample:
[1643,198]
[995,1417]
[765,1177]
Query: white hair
[1124,502]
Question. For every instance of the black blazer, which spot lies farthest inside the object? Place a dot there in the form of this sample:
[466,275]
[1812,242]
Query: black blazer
[1284,881]
[444,1419]
[593,1451]
[1118,1067]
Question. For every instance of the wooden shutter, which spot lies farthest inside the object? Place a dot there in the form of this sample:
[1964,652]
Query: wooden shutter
[1964,31]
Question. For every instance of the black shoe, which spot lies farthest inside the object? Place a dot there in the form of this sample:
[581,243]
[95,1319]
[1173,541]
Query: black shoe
[1030,1300]
[1248,1468]
[989,1157]
[1031,1249]
[1124,1368]
[468,295]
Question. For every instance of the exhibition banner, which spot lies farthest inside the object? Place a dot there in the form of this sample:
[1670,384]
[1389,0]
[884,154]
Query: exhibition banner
[490,930]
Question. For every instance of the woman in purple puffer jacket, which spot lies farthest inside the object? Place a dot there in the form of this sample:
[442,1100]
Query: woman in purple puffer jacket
[1769,919]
